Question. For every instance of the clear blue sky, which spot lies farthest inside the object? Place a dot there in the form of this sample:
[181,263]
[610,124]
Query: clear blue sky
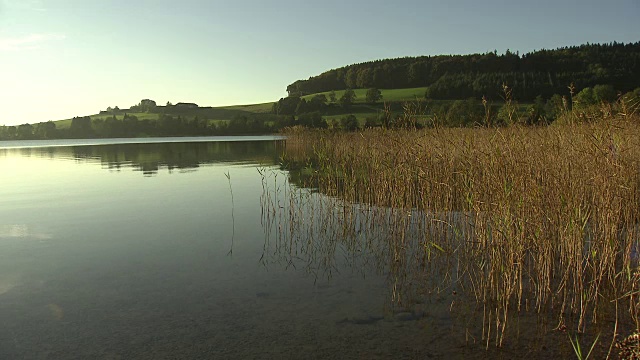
[62,58]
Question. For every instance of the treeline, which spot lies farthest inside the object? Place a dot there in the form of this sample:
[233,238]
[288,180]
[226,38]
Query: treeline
[310,113]
[589,102]
[542,72]
[151,157]
[130,126]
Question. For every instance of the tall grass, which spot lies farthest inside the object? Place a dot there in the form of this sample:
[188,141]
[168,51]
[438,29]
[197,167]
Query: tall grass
[543,219]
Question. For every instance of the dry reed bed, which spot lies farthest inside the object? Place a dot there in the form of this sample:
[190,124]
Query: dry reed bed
[552,213]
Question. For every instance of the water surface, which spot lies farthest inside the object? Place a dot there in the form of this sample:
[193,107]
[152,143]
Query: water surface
[159,250]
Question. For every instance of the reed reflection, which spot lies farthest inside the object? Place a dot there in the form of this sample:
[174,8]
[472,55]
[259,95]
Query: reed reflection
[477,215]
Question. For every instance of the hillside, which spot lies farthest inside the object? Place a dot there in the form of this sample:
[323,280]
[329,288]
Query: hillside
[542,72]
[146,119]
[209,114]
[449,90]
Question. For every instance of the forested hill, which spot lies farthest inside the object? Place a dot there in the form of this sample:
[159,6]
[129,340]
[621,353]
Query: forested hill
[542,72]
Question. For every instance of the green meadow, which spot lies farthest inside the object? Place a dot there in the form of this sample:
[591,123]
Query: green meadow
[212,115]
[361,109]
[392,99]
[387,94]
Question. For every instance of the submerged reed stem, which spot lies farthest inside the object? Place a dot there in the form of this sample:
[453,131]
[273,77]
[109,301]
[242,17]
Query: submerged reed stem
[541,218]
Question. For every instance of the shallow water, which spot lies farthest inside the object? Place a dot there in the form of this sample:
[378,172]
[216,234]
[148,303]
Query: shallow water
[158,250]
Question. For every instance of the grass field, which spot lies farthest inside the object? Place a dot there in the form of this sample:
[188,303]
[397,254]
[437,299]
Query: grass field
[252,108]
[387,94]
[213,115]
[360,108]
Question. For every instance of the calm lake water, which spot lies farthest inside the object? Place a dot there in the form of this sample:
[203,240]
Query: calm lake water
[159,250]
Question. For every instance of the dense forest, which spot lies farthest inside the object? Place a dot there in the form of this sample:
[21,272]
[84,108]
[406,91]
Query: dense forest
[542,72]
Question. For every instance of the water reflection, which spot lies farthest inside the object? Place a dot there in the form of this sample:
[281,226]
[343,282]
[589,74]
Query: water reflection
[420,258]
[21,231]
[149,158]
[139,267]
[322,235]
[436,263]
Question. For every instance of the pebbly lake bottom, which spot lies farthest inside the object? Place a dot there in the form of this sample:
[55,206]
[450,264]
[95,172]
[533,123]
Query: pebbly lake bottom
[159,251]
[188,313]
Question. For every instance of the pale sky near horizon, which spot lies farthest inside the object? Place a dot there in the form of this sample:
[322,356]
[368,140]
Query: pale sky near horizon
[64,58]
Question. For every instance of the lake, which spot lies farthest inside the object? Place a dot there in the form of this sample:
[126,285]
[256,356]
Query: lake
[168,248]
